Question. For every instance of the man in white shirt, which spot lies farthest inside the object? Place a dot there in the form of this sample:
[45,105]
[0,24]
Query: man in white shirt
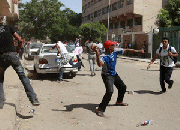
[166,63]
[63,51]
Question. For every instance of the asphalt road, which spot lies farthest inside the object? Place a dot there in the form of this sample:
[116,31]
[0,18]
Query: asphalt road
[71,105]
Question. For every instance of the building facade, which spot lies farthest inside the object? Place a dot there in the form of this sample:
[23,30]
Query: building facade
[130,21]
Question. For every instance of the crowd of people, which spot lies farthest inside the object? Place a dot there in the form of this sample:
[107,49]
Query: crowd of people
[104,55]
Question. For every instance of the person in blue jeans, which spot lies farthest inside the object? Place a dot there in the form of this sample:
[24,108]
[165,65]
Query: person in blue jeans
[9,57]
[110,76]
[166,53]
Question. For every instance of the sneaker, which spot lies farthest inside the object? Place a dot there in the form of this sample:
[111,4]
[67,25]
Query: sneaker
[1,105]
[170,85]
[35,102]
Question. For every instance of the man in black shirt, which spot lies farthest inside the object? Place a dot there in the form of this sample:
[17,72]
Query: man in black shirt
[8,56]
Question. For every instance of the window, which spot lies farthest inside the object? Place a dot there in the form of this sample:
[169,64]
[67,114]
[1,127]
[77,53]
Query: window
[114,6]
[83,10]
[95,14]
[104,10]
[123,24]
[108,8]
[88,18]
[83,19]
[99,12]
[95,1]
[116,25]
[92,16]
[85,7]
[130,22]
[121,4]
[89,4]
[111,26]
[129,2]
[92,3]
[138,21]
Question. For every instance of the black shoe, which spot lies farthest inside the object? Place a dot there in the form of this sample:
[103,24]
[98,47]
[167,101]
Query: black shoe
[170,85]
[162,91]
[35,102]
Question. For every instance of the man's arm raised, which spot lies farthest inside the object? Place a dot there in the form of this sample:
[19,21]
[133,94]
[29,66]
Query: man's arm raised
[98,60]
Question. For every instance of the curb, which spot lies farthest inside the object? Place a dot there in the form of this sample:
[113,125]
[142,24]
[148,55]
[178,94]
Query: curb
[177,65]
[148,60]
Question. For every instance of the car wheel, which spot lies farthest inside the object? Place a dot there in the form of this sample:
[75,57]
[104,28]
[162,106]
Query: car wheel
[74,74]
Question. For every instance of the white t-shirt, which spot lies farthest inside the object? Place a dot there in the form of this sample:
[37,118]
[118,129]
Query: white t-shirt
[62,47]
[100,45]
[166,60]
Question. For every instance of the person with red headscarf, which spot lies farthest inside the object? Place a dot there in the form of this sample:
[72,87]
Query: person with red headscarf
[110,76]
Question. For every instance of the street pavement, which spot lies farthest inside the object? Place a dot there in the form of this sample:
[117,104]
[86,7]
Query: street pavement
[11,90]
[9,114]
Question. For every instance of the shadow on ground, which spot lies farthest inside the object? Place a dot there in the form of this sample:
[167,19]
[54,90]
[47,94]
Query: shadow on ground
[147,92]
[52,77]
[88,106]
[18,114]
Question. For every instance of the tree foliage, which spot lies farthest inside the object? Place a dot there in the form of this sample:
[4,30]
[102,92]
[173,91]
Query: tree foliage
[96,31]
[42,19]
[170,16]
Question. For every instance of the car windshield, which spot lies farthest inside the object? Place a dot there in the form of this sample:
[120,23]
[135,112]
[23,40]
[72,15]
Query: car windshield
[71,45]
[45,49]
[33,46]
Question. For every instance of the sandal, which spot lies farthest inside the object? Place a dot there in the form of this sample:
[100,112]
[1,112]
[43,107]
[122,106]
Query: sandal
[121,104]
[99,113]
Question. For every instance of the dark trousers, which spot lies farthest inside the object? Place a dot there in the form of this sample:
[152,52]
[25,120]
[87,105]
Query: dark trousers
[12,58]
[109,80]
[165,75]
[21,52]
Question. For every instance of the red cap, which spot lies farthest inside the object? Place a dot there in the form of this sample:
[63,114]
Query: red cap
[108,43]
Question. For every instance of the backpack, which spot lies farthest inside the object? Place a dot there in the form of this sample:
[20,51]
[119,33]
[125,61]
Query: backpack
[172,57]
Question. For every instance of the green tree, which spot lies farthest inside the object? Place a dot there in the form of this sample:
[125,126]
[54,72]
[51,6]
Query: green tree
[41,19]
[74,20]
[170,16]
[96,31]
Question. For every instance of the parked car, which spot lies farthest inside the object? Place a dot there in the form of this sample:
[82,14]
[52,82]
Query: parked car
[47,61]
[32,49]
